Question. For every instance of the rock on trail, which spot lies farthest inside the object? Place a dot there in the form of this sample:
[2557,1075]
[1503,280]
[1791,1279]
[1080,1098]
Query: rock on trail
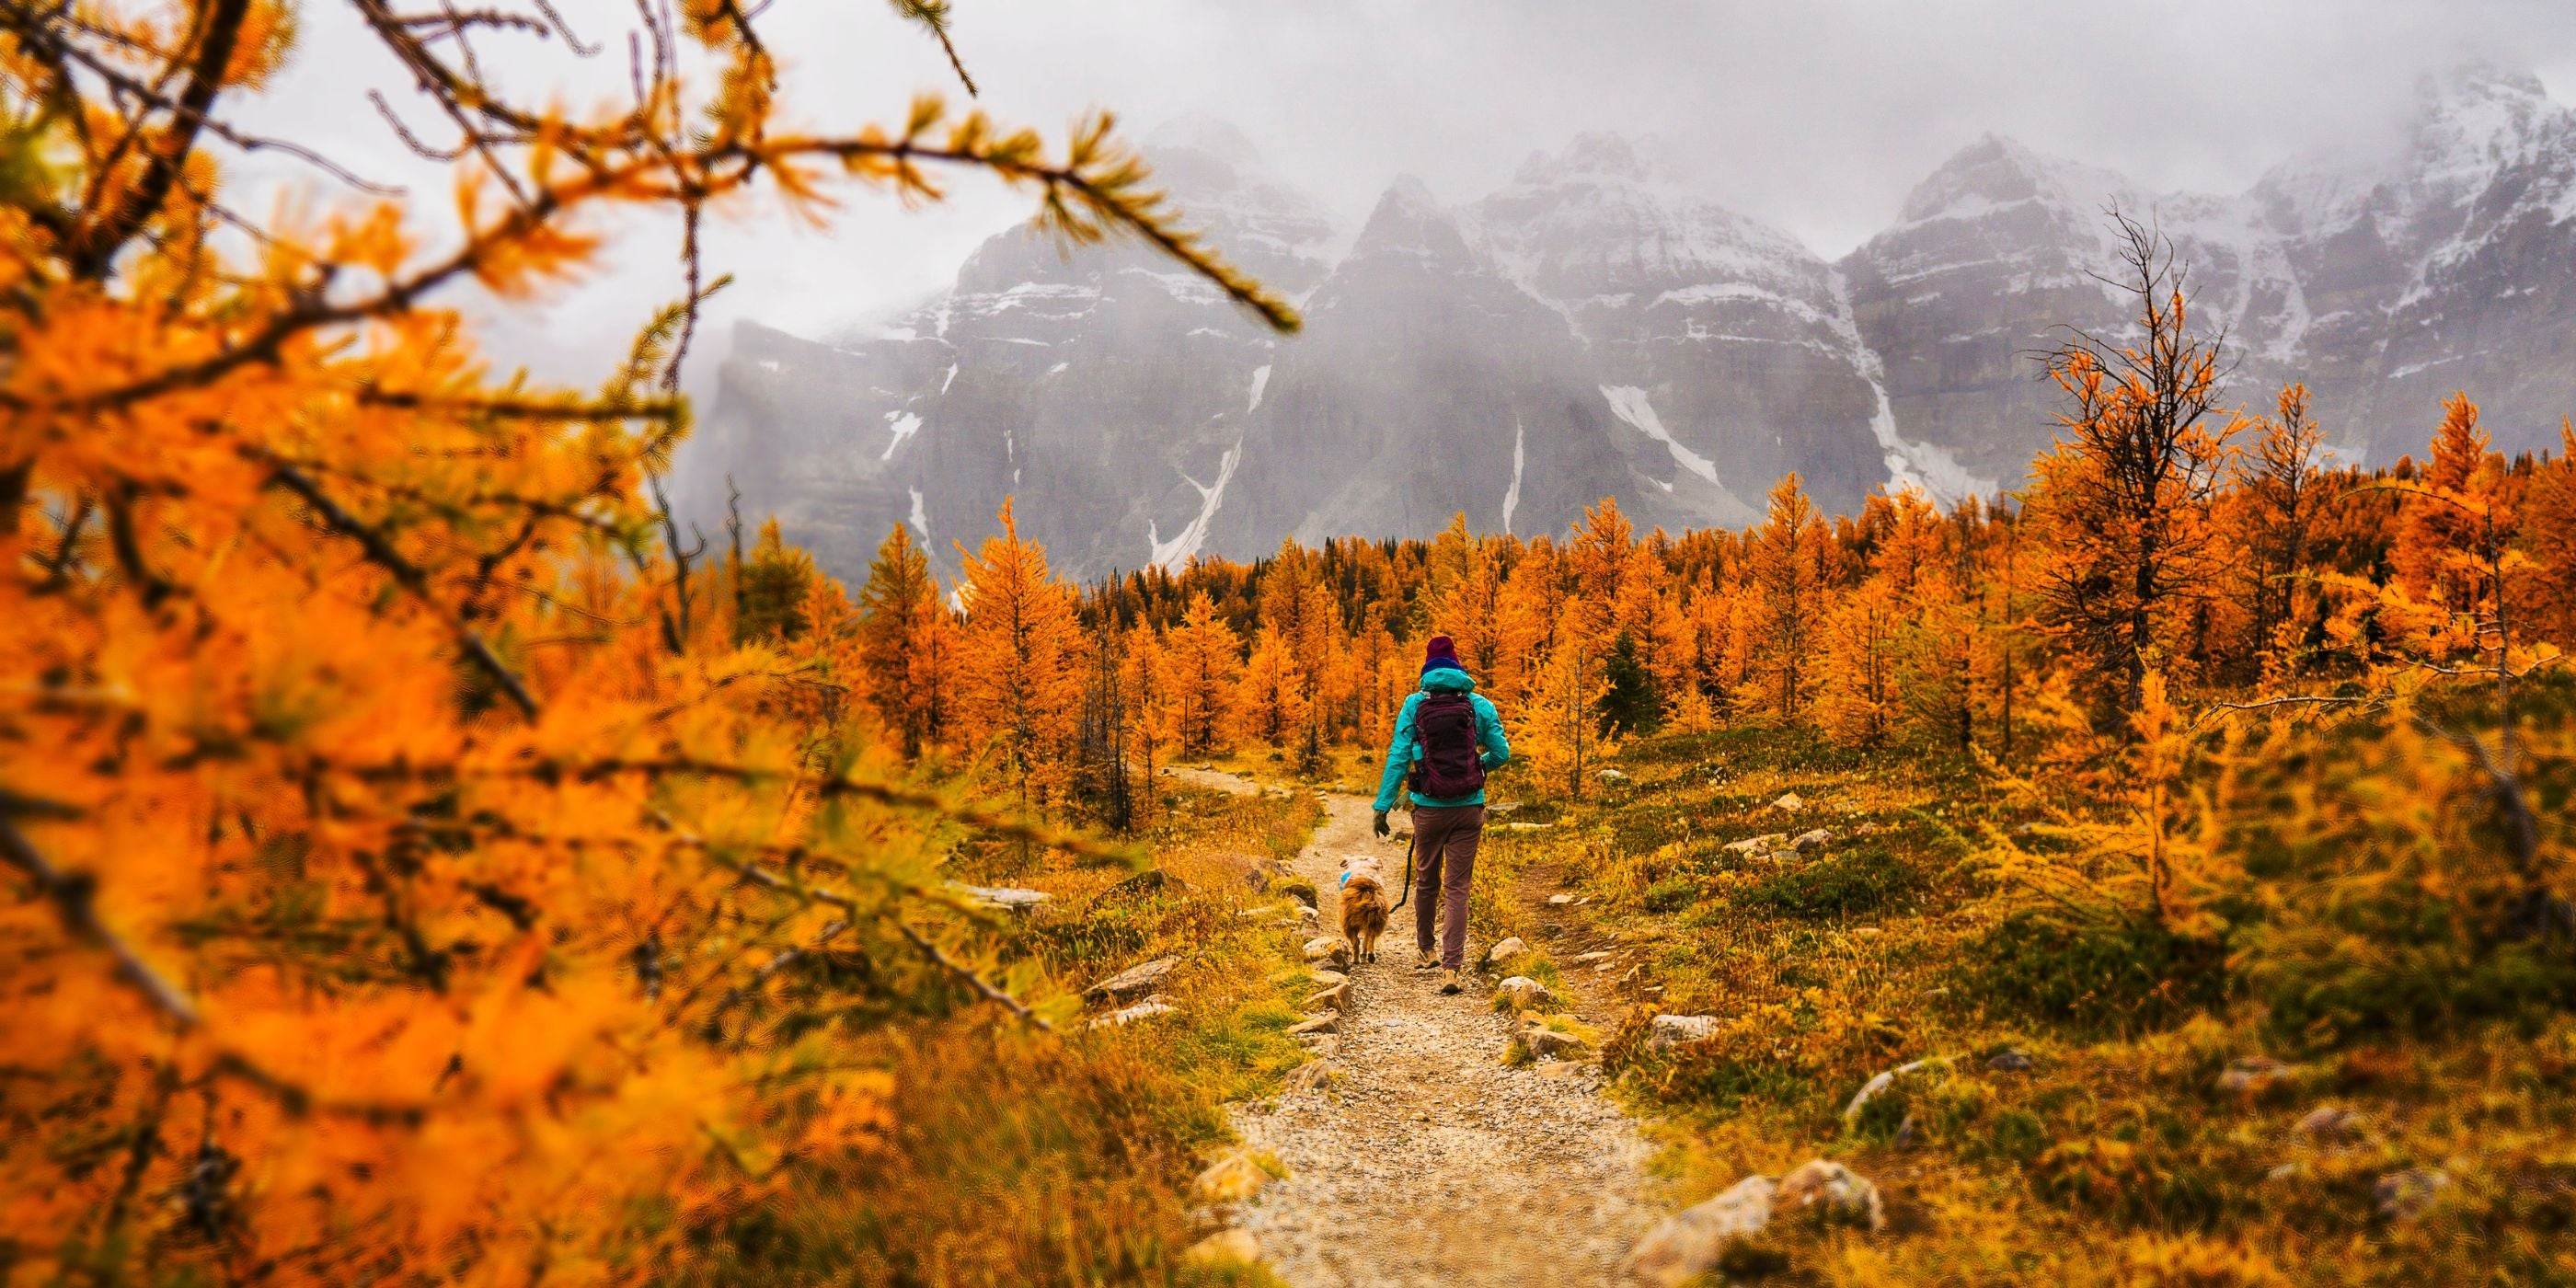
[1422,1159]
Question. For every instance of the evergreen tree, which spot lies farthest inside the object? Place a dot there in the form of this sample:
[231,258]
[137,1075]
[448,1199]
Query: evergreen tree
[770,588]
[1631,704]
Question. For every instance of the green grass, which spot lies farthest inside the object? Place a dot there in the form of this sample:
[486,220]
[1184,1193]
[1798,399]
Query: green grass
[2116,1158]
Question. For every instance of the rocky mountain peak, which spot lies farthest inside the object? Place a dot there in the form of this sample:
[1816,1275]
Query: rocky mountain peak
[1596,154]
[1597,327]
[1213,136]
[1409,221]
[2477,120]
[1996,172]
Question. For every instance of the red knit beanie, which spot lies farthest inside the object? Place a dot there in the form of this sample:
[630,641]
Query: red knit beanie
[1443,652]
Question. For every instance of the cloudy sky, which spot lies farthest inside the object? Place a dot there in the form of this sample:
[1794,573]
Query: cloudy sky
[1816,115]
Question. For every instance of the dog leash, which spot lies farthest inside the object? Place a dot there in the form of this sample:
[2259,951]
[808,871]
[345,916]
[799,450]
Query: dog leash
[1407,892]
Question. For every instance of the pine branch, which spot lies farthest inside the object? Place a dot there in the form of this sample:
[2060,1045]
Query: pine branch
[380,551]
[933,15]
[74,896]
[968,977]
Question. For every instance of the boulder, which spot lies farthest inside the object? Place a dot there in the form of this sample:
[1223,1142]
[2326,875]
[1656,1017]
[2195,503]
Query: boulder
[1810,842]
[1327,978]
[1758,845]
[1831,1192]
[2329,1128]
[2010,1060]
[1549,1044]
[1789,803]
[1148,881]
[1314,1075]
[1230,1179]
[1006,897]
[1328,1022]
[1144,1010]
[1332,998]
[1224,1248]
[1612,776]
[1694,1240]
[1525,993]
[1878,1086]
[1665,1032]
[1131,983]
[2254,1073]
[1559,900]
[1505,951]
[2408,1195]
[1329,948]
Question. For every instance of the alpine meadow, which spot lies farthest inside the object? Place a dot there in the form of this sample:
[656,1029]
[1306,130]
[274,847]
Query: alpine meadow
[459,827]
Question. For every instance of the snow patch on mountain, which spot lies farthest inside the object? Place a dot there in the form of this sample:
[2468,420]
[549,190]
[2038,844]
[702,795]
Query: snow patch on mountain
[1629,404]
[1520,461]
[904,424]
[1171,555]
[1922,465]
[1260,381]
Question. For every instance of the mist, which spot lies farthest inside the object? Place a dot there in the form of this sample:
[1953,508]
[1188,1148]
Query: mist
[1814,117]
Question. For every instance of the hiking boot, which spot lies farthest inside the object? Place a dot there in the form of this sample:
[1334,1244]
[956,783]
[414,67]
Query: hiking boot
[1451,983]
[1427,959]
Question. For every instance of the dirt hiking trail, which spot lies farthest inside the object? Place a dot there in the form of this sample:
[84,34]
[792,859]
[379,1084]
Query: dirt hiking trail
[1425,1161]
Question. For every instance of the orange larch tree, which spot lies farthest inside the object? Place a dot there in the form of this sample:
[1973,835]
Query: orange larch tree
[908,645]
[2122,499]
[1206,662]
[1019,671]
[413,855]
[1786,571]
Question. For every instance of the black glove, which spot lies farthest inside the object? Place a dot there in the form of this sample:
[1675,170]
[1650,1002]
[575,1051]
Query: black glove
[1382,828]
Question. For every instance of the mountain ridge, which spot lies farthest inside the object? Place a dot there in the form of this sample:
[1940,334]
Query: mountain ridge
[1594,327]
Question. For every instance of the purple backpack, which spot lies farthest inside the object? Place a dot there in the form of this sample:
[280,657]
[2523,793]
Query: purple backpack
[1444,727]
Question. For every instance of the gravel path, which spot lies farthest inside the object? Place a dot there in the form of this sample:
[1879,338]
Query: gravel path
[1427,1162]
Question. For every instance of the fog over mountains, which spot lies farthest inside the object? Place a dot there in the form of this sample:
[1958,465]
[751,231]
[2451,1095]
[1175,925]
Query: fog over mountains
[1594,328]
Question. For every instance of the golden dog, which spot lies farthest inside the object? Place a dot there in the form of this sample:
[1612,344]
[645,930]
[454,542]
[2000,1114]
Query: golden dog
[1363,915]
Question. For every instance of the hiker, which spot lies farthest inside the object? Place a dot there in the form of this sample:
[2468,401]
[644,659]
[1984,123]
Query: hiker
[1446,740]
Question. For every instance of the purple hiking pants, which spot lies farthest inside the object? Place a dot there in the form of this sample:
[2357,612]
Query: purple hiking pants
[1444,869]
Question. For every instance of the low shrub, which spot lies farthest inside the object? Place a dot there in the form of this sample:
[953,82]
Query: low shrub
[2094,979]
[1849,881]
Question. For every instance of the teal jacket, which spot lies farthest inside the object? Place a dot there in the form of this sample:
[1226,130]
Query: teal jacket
[1402,751]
